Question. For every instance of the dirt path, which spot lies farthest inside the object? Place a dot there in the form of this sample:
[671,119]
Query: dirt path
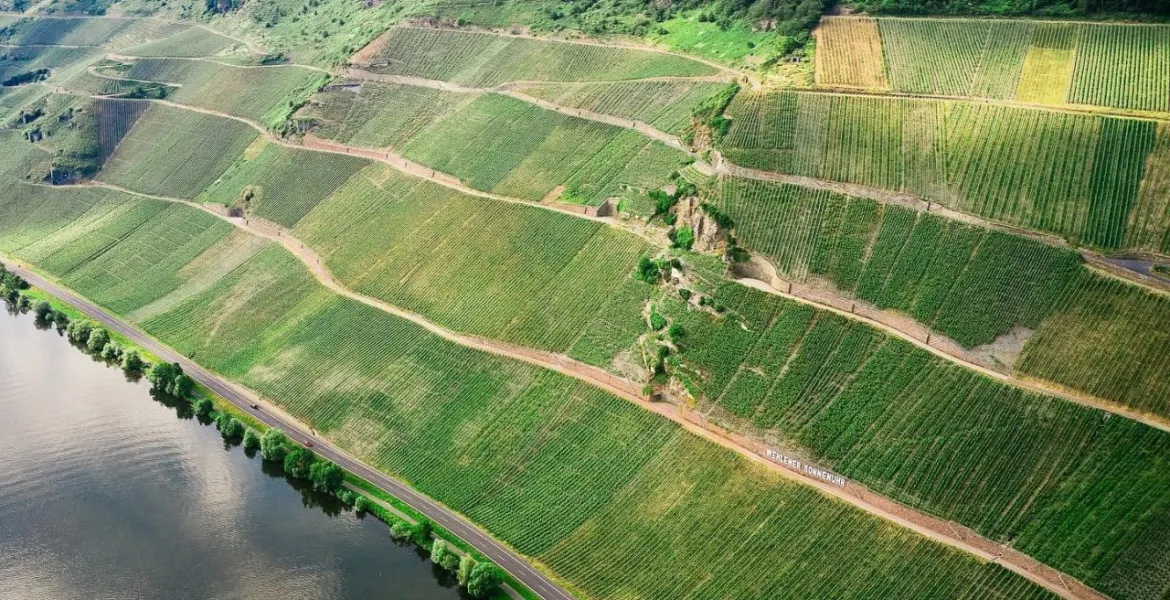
[942,531]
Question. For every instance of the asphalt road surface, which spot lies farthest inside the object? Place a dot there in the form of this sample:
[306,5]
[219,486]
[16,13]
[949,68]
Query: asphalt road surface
[502,556]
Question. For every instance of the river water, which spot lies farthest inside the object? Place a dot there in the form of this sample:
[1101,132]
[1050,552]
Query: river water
[106,492]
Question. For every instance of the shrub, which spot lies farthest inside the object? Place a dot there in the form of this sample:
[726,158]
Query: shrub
[676,333]
[466,566]
[132,361]
[62,321]
[98,338]
[484,578]
[169,378]
[443,556]
[112,351]
[325,475]
[229,426]
[422,532]
[684,237]
[359,502]
[401,530]
[298,462]
[203,407]
[78,331]
[274,445]
[657,321]
[251,440]
[42,310]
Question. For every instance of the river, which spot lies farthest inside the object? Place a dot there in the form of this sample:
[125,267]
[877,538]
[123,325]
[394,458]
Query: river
[106,492]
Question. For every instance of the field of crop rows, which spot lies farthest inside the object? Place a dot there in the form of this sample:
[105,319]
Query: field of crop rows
[966,282]
[1011,464]
[1119,66]
[510,147]
[282,184]
[482,59]
[377,115]
[503,271]
[849,53]
[15,61]
[188,43]
[1149,224]
[259,94]
[667,105]
[1074,175]
[1108,338]
[115,119]
[176,152]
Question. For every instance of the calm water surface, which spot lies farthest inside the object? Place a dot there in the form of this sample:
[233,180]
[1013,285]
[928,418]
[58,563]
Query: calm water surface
[108,493]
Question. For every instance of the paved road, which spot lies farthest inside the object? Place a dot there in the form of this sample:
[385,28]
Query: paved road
[502,556]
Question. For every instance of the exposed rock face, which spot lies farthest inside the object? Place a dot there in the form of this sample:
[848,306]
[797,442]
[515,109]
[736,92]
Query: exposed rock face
[709,236]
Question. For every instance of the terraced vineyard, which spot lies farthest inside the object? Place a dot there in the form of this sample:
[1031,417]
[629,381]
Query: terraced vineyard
[1077,176]
[281,184]
[497,144]
[176,152]
[965,282]
[666,105]
[481,59]
[257,93]
[507,272]
[1107,65]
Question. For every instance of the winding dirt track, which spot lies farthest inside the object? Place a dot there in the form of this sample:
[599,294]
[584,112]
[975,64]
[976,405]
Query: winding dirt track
[945,532]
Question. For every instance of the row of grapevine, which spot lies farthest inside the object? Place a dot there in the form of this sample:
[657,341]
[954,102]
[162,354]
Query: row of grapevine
[507,146]
[1112,65]
[483,59]
[849,54]
[191,42]
[282,184]
[667,105]
[1109,339]
[560,471]
[377,115]
[534,277]
[1011,464]
[176,152]
[1074,175]
[1126,67]
[115,119]
[251,92]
